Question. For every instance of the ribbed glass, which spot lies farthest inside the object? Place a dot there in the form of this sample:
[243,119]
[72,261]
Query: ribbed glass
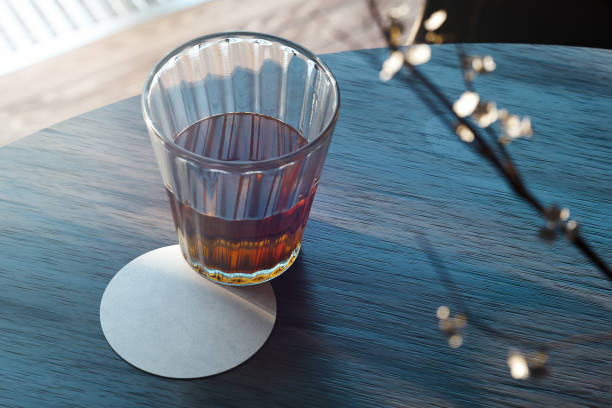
[214,201]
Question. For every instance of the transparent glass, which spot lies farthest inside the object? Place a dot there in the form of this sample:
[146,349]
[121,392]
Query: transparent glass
[240,221]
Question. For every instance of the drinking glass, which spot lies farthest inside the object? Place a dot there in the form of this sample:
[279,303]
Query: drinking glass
[240,221]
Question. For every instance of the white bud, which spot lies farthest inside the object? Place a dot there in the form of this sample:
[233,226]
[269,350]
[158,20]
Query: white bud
[466,104]
[391,66]
[443,312]
[564,214]
[465,133]
[455,341]
[435,21]
[488,63]
[512,126]
[518,366]
[485,115]
[418,54]
[526,129]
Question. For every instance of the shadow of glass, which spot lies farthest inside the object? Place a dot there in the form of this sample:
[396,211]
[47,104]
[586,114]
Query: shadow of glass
[343,339]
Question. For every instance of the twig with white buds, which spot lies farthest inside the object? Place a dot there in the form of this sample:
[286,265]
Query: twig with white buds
[467,105]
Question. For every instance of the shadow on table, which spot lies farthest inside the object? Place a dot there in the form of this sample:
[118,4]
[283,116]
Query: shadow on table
[344,337]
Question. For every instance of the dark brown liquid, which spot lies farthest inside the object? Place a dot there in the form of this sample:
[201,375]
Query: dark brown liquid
[240,136]
[229,250]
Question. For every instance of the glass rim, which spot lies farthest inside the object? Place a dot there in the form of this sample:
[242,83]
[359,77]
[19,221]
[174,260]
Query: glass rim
[242,165]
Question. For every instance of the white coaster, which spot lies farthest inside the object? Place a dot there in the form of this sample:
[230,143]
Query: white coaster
[161,316]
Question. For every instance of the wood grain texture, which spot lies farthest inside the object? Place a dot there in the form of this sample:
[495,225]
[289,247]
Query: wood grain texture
[115,68]
[356,321]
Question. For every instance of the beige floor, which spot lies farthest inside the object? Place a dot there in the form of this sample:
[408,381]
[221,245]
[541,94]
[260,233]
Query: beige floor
[114,68]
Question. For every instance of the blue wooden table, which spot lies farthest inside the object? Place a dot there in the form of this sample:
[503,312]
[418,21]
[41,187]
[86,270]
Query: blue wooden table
[356,321]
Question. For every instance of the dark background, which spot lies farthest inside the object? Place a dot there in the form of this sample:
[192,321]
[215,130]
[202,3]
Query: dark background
[583,23]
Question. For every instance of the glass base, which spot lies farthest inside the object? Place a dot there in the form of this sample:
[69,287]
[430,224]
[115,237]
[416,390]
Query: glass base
[245,279]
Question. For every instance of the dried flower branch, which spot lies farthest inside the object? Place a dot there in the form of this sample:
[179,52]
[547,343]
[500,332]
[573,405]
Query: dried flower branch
[469,107]
[468,104]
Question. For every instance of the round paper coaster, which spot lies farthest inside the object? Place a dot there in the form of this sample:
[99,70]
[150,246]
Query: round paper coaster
[161,316]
